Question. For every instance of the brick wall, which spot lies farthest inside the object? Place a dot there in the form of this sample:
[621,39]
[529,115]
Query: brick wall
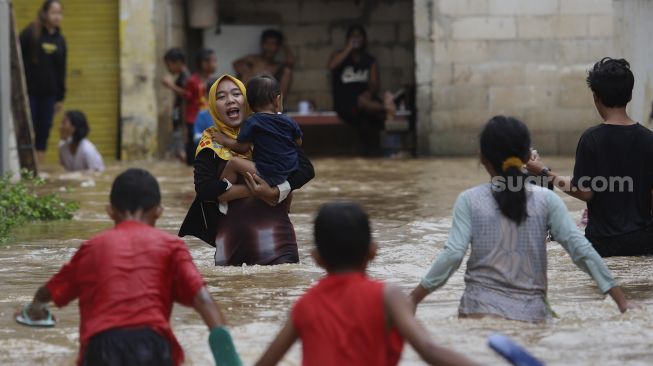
[316,28]
[525,58]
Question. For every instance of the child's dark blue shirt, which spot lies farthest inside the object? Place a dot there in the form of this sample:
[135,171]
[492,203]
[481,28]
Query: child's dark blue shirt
[275,149]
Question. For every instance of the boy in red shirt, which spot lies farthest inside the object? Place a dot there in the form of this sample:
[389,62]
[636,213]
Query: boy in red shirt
[127,279]
[196,95]
[348,318]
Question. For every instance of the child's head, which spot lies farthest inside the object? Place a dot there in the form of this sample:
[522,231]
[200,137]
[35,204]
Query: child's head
[206,61]
[135,195]
[342,237]
[264,94]
[175,60]
[74,126]
[612,82]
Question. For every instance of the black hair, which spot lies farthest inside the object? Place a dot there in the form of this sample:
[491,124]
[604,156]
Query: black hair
[203,55]
[503,138]
[342,235]
[135,189]
[361,29]
[78,120]
[272,33]
[174,55]
[38,24]
[612,82]
[262,91]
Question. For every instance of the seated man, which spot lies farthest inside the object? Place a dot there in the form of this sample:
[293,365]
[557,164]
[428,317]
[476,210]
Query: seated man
[272,41]
[614,168]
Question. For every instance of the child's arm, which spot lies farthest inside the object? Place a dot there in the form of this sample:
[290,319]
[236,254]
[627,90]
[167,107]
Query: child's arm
[207,308]
[399,311]
[38,308]
[299,141]
[278,348]
[224,140]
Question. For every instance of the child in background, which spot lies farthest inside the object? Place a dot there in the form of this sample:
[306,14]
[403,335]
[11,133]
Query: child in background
[275,136]
[175,61]
[202,122]
[127,279]
[347,318]
[195,95]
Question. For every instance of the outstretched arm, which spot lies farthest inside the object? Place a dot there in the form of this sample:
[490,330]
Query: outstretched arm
[449,260]
[581,251]
[399,312]
[281,344]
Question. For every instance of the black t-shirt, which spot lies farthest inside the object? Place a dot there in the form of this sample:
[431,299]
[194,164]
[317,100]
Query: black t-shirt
[605,155]
[349,80]
[45,71]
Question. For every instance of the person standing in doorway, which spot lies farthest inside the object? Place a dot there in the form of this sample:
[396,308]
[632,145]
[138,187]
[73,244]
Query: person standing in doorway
[272,41]
[44,59]
[195,95]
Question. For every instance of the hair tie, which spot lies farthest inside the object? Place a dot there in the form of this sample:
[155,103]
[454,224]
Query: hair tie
[512,162]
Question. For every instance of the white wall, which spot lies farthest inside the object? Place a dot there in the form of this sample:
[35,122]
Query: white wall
[634,28]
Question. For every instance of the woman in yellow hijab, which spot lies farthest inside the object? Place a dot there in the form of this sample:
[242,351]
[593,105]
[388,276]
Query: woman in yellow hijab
[252,231]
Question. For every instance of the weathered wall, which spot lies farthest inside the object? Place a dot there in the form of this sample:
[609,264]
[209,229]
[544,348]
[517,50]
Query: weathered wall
[632,39]
[316,28]
[479,58]
[138,76]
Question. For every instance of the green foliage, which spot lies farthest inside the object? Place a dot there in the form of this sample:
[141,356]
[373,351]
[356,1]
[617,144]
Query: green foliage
[20,203]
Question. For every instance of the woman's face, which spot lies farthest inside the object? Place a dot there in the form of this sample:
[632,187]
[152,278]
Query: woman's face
[66,130]
[54,15]
[230,103]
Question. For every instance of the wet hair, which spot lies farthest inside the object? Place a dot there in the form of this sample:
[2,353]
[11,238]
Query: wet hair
[78,120]
[203,55]
[262,90]
[503,138]
[272,33]
[38,24]
[342,235]
[135,189]
[612,82]
[361,29]
[174,55]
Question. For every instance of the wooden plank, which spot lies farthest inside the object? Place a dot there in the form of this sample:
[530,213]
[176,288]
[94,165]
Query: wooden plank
[20,104]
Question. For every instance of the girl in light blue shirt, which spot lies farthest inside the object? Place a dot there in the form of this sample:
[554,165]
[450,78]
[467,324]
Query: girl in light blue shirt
[506,223]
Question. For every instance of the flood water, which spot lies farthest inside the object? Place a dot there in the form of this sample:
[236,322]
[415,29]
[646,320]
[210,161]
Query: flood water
[409,202]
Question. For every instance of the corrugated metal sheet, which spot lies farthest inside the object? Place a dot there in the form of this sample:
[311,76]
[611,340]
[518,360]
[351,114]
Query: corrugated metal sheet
[93,80]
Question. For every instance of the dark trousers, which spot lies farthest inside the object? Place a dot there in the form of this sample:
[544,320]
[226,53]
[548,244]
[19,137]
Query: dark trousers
[128,347]
[631,244]
[190,144]
[42,108]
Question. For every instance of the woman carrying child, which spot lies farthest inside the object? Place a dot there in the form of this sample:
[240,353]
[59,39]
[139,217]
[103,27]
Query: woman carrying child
[253,230]
[506,222]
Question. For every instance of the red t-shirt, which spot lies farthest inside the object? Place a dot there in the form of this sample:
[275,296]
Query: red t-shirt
[341,321]
[195,97]
[128,277]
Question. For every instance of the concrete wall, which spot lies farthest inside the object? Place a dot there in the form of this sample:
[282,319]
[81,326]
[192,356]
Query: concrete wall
[633,42]
[316,28]
[139,74]
[525,58]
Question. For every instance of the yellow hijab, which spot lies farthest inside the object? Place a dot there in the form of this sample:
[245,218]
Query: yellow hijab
[206,142]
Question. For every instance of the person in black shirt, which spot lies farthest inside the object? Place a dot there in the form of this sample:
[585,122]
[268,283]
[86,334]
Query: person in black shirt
[355,85]
[175,61]
[44,58]
[614,168]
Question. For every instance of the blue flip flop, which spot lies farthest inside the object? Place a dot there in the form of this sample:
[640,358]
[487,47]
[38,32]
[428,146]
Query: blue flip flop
[24,319]
[511,351]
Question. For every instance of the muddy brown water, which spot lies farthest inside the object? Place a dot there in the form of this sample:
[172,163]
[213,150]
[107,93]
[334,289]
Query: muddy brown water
[410,204]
